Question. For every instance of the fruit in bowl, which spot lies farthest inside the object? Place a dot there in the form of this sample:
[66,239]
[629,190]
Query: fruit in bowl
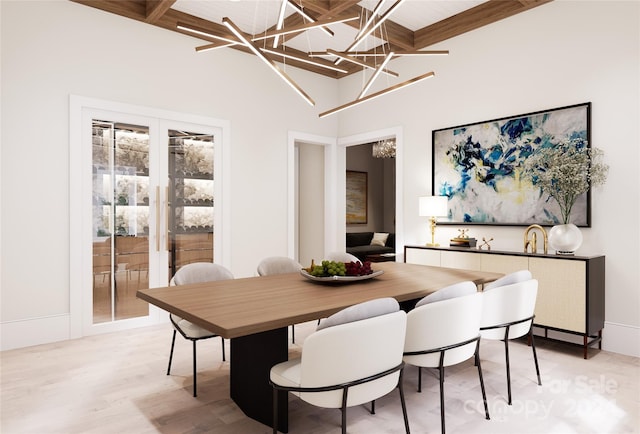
[336,268]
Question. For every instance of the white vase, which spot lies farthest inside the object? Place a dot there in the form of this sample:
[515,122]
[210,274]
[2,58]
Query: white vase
[565,239]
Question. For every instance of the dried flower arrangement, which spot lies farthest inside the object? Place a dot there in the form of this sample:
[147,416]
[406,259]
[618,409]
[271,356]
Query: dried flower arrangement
[566,170]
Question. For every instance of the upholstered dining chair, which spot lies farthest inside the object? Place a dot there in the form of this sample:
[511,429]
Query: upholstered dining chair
[508,279]
[342,257]
[445,333]
[196,272]
[452,291]
[508,313]
[280,265]
[353,357]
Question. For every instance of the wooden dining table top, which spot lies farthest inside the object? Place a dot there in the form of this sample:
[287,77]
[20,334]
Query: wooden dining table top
[244,306]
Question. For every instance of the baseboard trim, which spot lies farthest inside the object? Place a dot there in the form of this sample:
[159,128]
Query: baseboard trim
[621,338]
[33,331]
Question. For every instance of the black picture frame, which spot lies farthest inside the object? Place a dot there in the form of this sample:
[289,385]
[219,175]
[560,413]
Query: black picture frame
[477,166]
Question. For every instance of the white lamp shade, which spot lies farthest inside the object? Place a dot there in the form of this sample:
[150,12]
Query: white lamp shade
[433,206]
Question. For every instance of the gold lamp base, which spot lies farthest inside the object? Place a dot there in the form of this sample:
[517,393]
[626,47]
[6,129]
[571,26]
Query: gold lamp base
[432,225]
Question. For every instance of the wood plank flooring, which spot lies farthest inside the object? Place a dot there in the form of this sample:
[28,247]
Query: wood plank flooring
[116,383]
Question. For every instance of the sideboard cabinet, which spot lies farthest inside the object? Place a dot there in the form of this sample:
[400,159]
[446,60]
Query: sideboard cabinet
[570,288]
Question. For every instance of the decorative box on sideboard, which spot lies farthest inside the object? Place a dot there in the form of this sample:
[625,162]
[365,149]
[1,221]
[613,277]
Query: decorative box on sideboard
[570,292]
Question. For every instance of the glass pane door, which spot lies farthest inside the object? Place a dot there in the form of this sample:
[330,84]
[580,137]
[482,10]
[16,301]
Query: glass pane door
[190,198]
[120,220]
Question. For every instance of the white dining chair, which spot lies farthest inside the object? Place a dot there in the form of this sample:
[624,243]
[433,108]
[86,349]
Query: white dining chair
[445,333]
[280,265]
[196,272]
[508,313]
[342,257]
[508,279]
[452,291]
[354,357]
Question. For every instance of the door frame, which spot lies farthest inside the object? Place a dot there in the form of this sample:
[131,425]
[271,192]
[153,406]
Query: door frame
[360,139]
[329,144]
[335,185]
[81,110]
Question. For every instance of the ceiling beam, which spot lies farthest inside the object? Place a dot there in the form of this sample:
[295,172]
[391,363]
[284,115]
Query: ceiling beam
[157,8]
[472,19]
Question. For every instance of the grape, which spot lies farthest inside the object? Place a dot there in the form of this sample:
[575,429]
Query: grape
[358,269]
[329,268]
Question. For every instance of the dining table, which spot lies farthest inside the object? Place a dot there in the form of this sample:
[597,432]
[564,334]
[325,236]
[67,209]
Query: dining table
[254,314]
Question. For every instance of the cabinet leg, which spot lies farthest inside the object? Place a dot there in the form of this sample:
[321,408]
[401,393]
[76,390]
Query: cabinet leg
[600,341]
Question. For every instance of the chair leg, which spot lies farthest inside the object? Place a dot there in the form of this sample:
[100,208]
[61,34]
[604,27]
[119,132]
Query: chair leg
[173,342]
[441,370]
[275,411]
[506,353]
[343,409]
[344,420]
[535,356]
[373,407]
[419,379]
[403,403]
[194,369]
[484,394]
[224,357]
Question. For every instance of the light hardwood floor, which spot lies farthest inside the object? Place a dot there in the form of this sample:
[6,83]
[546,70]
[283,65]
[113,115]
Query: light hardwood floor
[116,383]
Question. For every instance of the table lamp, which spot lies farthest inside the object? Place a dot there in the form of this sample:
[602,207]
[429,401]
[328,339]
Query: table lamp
[433,207]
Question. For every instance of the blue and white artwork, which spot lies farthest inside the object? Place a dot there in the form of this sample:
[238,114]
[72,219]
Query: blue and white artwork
[479,168]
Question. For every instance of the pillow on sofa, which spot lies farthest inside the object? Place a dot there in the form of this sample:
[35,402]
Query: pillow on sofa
[379,239]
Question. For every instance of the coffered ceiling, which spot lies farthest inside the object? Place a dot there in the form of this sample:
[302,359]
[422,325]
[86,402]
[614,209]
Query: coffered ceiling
[409,25]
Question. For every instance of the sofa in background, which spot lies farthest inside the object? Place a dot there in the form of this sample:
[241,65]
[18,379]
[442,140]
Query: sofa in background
[359,244]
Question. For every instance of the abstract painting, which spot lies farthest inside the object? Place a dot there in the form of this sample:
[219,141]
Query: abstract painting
[479,167]
[356,197]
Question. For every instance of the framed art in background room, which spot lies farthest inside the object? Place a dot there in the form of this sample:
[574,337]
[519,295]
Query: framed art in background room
[356,183]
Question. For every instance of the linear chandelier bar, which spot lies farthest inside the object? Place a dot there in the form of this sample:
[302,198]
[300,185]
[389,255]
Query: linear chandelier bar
[305,27]
[360,62]
[212,46]
[280,23]
[375,75]
[372,17]
[199,32]
[238,33]
[306,16]
[396,53]
[364,35]
[378,94]
[331,66]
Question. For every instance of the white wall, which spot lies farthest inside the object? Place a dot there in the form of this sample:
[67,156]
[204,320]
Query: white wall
[53,49]
[558,54]
[310,203]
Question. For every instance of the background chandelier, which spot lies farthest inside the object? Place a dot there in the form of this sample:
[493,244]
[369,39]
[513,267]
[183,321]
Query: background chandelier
[373,61]
[384,148]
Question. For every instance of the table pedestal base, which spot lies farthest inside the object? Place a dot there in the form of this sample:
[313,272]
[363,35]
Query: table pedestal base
[252,357]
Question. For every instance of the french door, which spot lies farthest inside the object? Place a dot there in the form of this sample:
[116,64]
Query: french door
[154,207]
[152,211]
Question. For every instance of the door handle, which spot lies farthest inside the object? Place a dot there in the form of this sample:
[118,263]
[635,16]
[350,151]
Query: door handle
[167,219]
[157,218]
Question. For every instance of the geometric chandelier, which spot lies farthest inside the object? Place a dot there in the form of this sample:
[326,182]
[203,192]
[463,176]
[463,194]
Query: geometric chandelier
[374,62]
[384,148]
